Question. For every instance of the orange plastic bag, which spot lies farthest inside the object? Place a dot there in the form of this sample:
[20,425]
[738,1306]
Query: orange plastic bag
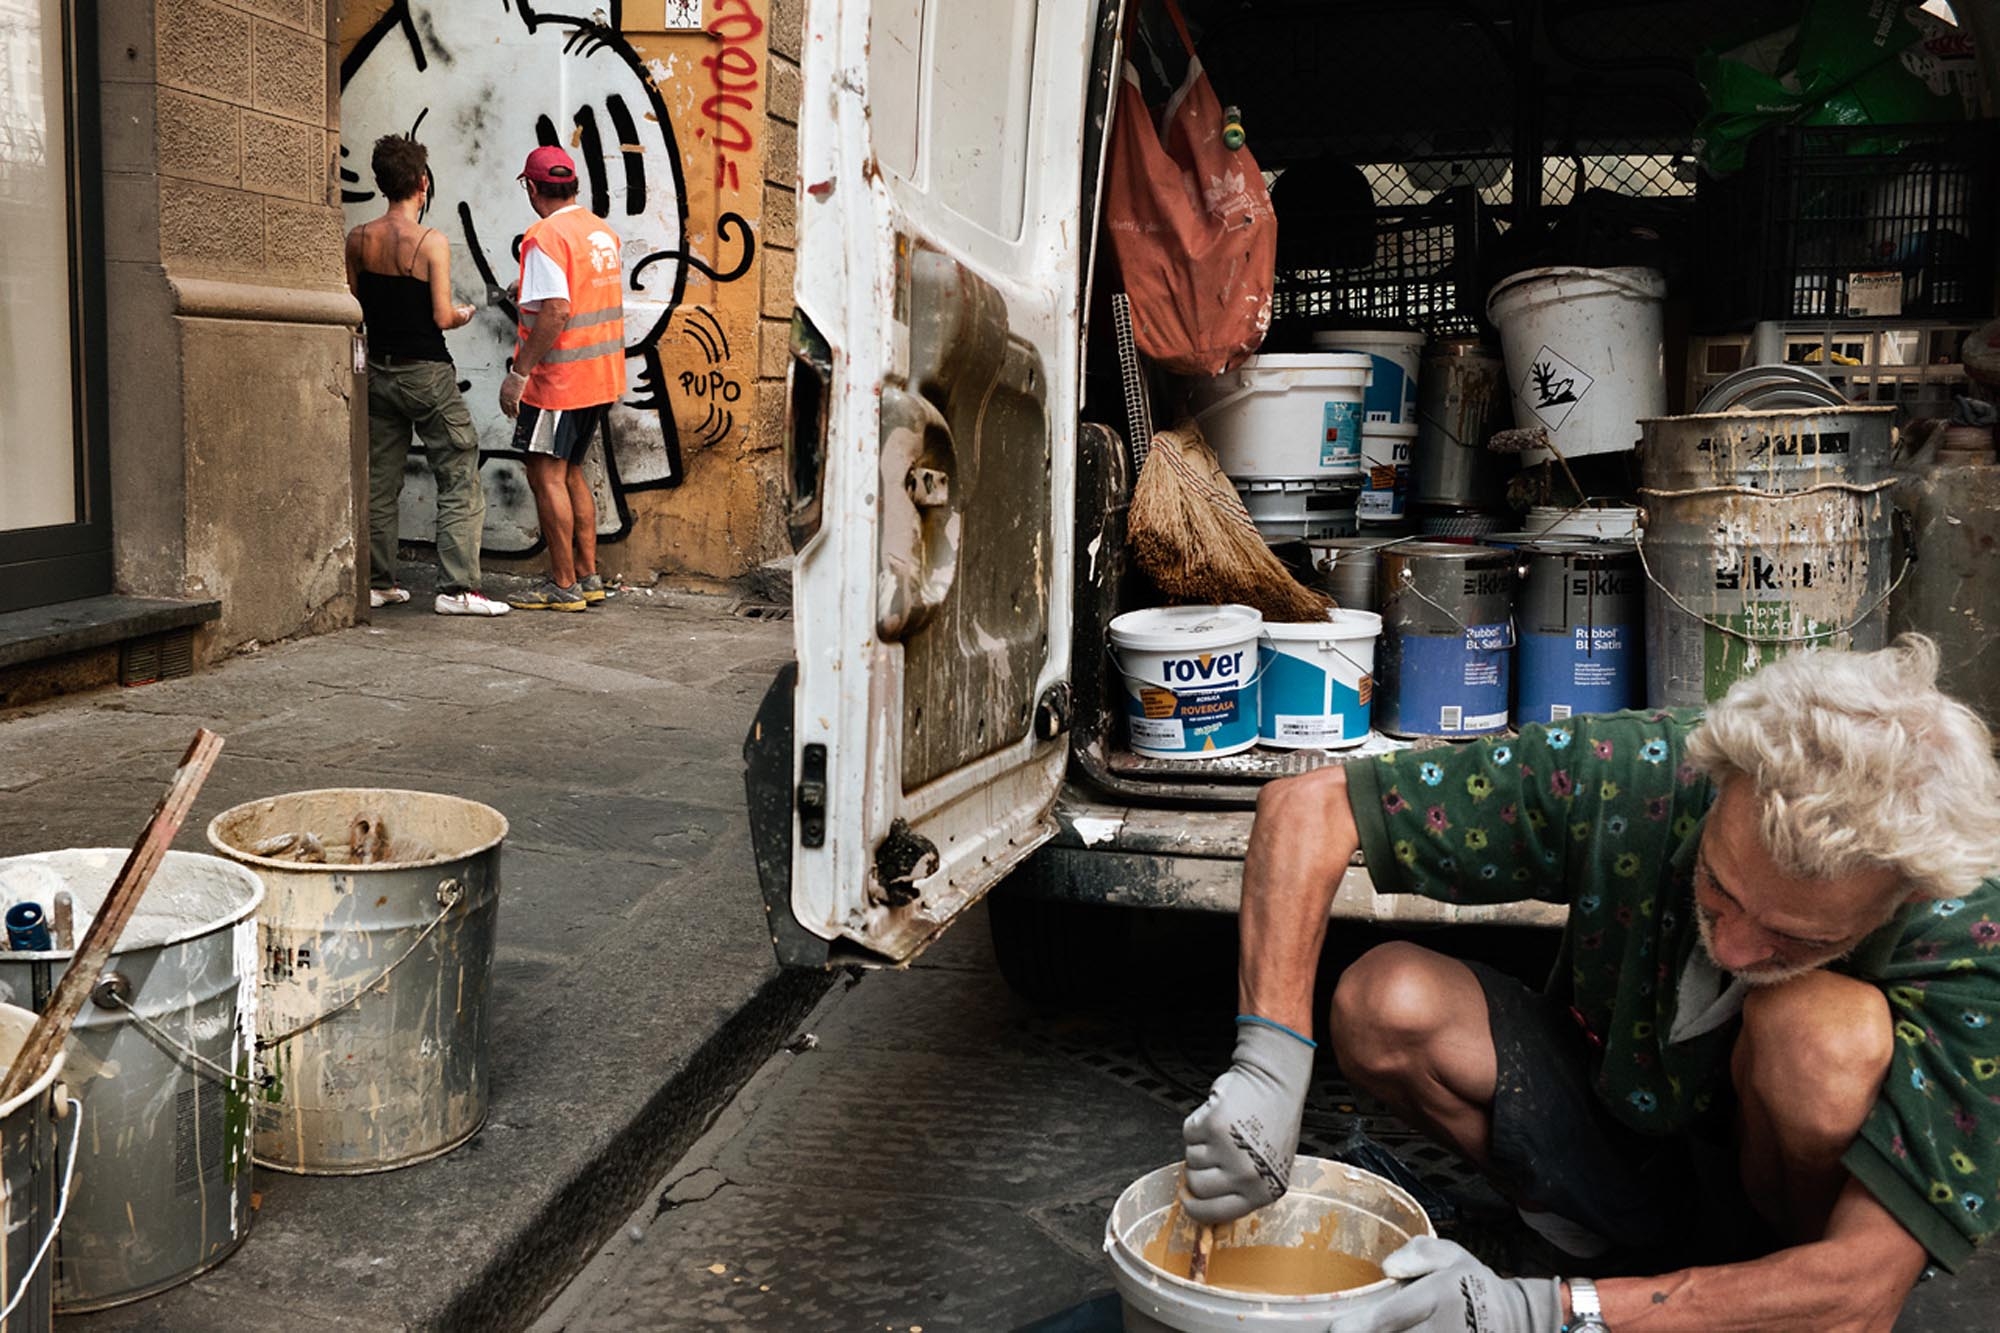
[1191,224]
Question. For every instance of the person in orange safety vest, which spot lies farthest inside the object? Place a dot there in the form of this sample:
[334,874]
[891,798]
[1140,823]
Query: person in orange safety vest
[568,369]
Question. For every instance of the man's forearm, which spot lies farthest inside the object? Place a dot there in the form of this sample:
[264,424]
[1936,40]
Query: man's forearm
[542,335]
[1854,1280]
[1300,845]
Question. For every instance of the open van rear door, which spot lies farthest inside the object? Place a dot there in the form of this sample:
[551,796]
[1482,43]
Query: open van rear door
[930,461]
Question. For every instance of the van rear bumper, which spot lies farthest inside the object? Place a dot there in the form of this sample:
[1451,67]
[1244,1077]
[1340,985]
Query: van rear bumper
[1192,860]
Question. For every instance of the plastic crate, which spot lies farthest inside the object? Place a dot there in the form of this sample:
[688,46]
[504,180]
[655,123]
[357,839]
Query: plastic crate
[1857,222]
[1916,368]
[1423,273]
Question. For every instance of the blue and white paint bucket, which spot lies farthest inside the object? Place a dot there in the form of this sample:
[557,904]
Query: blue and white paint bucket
[1394,355]
[1286,415]
[1191,677]
[1447,639]
[1385,471]
[1583,630]
[1319,682]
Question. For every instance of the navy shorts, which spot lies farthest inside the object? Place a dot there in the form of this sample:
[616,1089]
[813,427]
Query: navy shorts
[1555,1146]
[563,433]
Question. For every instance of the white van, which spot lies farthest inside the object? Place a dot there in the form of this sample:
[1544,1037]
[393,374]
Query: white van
[958,509]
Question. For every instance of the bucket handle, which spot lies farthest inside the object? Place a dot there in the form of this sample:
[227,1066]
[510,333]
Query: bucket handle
[1331,645]
[1781,640]
[450,893]
[55,1223]
[1410,583]
[1243,684]
[110,996]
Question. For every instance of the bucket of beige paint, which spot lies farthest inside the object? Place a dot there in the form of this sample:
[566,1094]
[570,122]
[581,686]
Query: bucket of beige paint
[35,1184]
[376,978]
[1331,1208]
[161,1057]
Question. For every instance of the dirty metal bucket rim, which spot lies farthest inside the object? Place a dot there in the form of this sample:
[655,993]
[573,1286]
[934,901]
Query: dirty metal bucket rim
[1445,551]
[1740,415]
[1160,1277]
[49,1075]
[234,853]
[374,1167]
[195,932]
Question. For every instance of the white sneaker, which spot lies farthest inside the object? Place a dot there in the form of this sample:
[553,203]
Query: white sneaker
[387,596]
[469,604]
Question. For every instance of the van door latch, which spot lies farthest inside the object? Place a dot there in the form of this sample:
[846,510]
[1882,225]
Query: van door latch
[812,797]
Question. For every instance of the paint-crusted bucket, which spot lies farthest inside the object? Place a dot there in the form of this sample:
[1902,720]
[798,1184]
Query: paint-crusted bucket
[1329,1206]
[1582,631]
[376,973]
[1764,533]
[1447,640]
[1346,569]
[1191,677]
[162,1058]
[35,1181]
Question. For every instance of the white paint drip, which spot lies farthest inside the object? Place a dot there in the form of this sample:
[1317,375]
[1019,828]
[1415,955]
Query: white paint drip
[1095,829]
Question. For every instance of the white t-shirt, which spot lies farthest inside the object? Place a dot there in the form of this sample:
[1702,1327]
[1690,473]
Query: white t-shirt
[542,279]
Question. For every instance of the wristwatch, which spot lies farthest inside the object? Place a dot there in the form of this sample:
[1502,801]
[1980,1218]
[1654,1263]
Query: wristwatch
[1588,1310]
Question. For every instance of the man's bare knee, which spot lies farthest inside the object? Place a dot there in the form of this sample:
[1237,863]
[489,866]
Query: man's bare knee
[1302,802]
[1388,1007]
[1813,1053]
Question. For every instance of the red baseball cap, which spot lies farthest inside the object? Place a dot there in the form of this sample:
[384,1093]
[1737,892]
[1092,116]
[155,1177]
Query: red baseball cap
[549,165]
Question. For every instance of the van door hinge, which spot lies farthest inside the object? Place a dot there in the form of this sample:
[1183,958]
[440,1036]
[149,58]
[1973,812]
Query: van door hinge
[812,797]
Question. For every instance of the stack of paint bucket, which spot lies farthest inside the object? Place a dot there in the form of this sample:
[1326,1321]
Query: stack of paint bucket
[1389,421]
[1287,428]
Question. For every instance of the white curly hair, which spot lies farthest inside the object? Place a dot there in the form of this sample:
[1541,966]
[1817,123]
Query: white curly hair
[1860,762]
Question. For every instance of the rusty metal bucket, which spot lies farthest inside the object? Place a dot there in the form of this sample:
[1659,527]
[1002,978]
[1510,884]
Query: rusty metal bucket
[161,1058]
[377,972]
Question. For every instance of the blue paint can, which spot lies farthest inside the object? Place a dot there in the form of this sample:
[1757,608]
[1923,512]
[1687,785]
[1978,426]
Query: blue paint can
[1583,630]
[1318,682]
[1447,640]
[1191,677]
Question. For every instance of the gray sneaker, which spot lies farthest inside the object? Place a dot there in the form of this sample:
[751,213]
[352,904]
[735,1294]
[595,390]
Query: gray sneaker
[593,587]
[548,596]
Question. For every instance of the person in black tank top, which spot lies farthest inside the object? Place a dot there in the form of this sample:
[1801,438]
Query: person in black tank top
[400,271]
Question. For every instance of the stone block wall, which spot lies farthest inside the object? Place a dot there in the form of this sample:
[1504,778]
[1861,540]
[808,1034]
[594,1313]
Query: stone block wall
[231,393]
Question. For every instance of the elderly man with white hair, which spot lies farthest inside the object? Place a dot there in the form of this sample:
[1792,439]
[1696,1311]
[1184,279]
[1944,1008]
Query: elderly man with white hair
[1768,1059]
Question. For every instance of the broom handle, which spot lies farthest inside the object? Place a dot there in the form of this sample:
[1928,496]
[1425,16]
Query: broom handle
[80,978]
[1132,370]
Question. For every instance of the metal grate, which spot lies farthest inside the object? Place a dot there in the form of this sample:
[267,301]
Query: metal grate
[1421,275]
[168,656]
[760,611]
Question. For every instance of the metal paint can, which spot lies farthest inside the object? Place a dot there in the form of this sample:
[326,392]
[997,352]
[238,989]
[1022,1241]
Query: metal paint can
[1462,399]
[1764,533]
[377,977]
[1582,618]
[1346,569]
[31,1173]
[163,1062]
[1447,640]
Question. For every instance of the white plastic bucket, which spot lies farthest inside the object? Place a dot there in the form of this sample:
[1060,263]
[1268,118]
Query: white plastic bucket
[1613,523]
[1385,471]
[1395,355]
[1319,680]
[1286,415]
[1299,509]
[1330,1204]
[1586,354]
[1191,675]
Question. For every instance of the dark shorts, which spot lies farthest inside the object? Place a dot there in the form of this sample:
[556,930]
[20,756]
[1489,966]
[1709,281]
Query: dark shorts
[1674,1200]
[563,433]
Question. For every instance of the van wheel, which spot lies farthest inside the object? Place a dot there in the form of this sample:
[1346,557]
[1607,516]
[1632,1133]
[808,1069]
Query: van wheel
[1058,954]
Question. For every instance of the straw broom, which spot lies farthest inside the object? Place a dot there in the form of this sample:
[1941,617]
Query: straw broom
[1192,536]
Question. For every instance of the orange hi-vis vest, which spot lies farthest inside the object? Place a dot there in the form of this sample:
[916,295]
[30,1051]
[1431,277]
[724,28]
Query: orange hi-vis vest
[586,367]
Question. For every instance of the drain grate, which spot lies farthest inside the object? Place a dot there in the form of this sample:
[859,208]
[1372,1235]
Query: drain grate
[761,611]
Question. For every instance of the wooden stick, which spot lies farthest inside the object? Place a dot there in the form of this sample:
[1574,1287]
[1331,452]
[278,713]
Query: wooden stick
[87,963]
[1204,1245]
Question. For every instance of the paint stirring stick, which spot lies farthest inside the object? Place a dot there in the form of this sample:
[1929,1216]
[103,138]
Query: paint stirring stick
[1204,1245]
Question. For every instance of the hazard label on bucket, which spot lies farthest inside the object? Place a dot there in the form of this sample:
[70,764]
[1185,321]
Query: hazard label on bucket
[1553,387]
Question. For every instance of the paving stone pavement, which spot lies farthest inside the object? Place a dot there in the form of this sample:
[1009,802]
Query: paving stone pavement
[634,987]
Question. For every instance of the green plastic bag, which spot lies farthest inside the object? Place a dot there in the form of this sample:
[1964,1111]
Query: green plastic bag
[1840,65]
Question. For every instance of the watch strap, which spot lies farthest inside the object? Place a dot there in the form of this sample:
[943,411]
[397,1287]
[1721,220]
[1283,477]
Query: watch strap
[1587,1309]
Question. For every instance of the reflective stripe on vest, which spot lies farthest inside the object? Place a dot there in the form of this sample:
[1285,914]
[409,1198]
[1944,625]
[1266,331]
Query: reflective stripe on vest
[586,366]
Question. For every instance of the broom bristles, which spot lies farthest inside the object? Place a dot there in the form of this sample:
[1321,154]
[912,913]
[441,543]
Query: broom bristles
[1193,537]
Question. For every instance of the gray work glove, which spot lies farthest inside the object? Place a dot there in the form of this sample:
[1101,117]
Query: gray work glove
[1446,1290]
[1241,1141]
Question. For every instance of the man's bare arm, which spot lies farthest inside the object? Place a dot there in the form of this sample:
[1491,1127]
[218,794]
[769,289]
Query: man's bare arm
[1300,846]
[549,321]
[1853,1281]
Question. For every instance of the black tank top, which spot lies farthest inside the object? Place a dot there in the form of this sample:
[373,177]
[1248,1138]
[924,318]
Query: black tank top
[397,312]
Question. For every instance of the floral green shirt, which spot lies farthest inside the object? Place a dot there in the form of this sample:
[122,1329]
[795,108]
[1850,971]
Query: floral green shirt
[1604,813]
